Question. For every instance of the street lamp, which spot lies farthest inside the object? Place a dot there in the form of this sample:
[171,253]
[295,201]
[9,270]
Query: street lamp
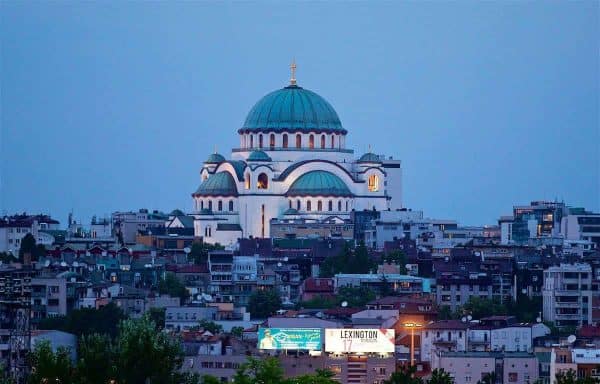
[412,327]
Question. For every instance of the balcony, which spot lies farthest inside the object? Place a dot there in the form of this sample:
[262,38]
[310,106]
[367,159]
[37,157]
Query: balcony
[568,316]
[561,292]
[567,304]
[478,341]
[444,342]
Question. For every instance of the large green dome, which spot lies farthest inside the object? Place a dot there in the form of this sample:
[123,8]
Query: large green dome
[318,183]
[219,184]
[293,108]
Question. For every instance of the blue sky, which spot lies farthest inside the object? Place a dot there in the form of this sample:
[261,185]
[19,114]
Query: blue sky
[114,105]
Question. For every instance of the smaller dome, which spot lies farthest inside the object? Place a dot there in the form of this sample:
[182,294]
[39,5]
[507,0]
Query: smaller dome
[318,183]
[215,158]
[258,155]
[291,211]
[177,212]
[219,184]
[369,157]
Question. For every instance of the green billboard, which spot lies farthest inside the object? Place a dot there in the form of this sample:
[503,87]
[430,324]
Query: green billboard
[289,338]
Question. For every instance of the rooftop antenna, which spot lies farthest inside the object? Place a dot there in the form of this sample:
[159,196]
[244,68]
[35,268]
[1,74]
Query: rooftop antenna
[293,70]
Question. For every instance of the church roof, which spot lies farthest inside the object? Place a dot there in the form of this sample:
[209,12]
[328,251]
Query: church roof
[369,157]
[318,183]
[215,158]
[219,184]
[293,108]
[258,155]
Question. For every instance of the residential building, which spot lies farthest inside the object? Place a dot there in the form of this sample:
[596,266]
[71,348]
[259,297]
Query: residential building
[508,367]
[391,283]
[568,295]
[14,228]
[442,336]
[581,225]
[180,318]
[127,224]
[292,226]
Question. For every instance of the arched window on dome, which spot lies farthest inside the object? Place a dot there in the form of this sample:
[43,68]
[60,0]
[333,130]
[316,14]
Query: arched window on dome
[230,205]
[220,206]
[210,205]
[285,140]
[201,204]
[332,141]
[330,206]
[319,206]
[272,140]
[290,204]
[298,140]
[373,183]
[346,205]
[298,205]
[260,141]
[251,141]
[322,141]
[308,206]
[247,181]
[311,141]
[340,206]
[263,181]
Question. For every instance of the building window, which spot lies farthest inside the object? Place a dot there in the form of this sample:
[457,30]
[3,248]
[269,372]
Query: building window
[251,141]
[290,204]
[319,206]
[373,183]
[263,181]
[210,205]
[285,140]
[308,206]
[272,141]
[332,141]
[247,181]
[346,205]
[298,140]
[219,205]
[311,141]
[330,206]
[322,141]
[298,205]
[231,206]
[260,141]
[201,204]
[339,206]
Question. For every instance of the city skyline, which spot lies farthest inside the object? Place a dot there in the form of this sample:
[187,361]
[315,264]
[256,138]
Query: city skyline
[487,106]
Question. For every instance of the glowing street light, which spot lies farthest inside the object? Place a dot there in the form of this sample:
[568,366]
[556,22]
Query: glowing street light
[412,327]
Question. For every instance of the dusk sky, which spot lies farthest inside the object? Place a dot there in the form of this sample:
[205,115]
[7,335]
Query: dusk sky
[115,105]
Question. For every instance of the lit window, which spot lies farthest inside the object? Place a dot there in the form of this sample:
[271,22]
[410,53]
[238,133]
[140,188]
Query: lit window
[373,183]
[263,181]
[298,141]
[285,140]
[247,181]
[311,141]
[272,141]
[319,206]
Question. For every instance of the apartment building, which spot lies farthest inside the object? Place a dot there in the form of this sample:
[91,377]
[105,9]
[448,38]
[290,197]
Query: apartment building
[568,295]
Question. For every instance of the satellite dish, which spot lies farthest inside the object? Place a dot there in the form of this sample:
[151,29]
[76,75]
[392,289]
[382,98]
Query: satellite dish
[464,319]
[63,264]
[75,264]
[469,317]
[344,304]
[187,250]
[279,264]
[285,258]
[538,319]
[47,263]
[571,339]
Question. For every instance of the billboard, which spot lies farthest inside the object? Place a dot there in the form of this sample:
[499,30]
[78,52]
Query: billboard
[359,340]
[289,338]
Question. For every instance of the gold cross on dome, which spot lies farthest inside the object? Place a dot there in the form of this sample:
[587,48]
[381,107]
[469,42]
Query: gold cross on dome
[293,69]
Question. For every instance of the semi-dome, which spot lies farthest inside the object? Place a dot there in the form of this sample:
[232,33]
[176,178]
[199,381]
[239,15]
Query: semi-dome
[258,155]
[369,157]
[318,183]
[215,158]
[219,184]
[293,108]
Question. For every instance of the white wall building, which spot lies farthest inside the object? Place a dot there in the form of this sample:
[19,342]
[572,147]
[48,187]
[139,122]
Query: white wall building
[567,295]
[292,160]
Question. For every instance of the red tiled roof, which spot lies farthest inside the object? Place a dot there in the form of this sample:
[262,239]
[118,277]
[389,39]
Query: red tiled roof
[447,324]
[589,331]
[317,284]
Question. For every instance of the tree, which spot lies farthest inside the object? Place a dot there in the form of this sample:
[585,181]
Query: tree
[356,297]
[526,309]
[157,315]
[570,377]
[404,375]
[263,303]
[211,326]
[29,246]
[488,378]
[348,261]
[445,313]
[478,307]
[323,376]
[147,356]
[171,286]
[199,252]
[398,258]
[97,360]
[440,376]
[86,321]
[237,331]
[49,366]
[255,371]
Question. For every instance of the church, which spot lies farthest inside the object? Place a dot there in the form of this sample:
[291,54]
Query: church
[292,163]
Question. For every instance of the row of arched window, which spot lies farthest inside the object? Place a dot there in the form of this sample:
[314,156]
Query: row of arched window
[220,206]
[320,205]
[314,141]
